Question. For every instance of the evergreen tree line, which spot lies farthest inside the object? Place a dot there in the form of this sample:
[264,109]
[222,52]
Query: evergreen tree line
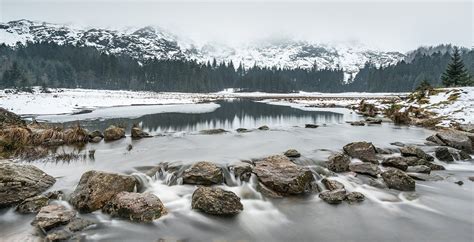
[67,66]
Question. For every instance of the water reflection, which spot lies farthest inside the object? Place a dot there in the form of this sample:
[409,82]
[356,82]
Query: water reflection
[230,115]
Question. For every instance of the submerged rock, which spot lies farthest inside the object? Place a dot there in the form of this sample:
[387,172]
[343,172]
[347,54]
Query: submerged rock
[415,151]
[355,197]
[311,126]
[203,173]
[434,138]
[425,177]
[292,153]
[371,120]
[96,188]
[53,216]
[19,181]
[283,176]
[334,196]
[216,201]
[264,127]
[443,154]
[242,130]
[267,192]
[396,162]
[138,133]
[362,150]
[460,183]
[356,123]
[59,235]
[419,169]
[137,207]
[397,179]
[365,168]
[213,131]
[338,162]
[78,224]
[32,204]
[332,184]
[96,133]
[114,133]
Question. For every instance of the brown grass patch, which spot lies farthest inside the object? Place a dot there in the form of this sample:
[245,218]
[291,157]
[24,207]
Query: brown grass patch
[76,134]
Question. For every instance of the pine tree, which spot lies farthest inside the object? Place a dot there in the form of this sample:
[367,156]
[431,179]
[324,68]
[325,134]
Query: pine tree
[455,74]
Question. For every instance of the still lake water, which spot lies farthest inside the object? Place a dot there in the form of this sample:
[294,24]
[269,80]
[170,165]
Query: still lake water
[437,211]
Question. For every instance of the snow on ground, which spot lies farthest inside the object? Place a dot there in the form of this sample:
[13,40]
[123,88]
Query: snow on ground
[65,101]
[456,105]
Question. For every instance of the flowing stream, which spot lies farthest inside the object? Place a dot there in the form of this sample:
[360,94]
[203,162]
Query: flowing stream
[437,211]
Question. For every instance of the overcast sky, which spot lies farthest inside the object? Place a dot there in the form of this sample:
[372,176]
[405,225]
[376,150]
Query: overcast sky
[388,25]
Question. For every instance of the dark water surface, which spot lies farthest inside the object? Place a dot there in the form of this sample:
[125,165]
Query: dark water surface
[437,211]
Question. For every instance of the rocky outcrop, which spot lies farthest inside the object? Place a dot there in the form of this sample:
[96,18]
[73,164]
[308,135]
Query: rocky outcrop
[9,118]
[53,216]
[311,126]
[138,133]
[96,188]
[396,162]
[334,196]
[332,184]
[216,201]
[365,168]
[203,173]
[136,207]
[338,162]
[419,169]
[292,153]
[364,151]
[281,175]
[397,179]
[20,181]
[114,133]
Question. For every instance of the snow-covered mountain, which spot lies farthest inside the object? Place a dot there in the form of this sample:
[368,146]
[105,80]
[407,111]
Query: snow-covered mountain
[151,42]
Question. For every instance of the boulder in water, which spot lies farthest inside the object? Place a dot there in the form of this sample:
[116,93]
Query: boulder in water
[365,168]
[138,133]
[332,184]
[292,153]
[356,123]
[32,204]
[281,175]
[114,133]
[443,154]
[96,188]
[241,170]
[19,181]
[355,197]
[311,126]
[338,162]
[364,151]
[203,173]
[419,169]
[242,130]
[415,151]
[397,179]
[334,196]
[264,127]
[396,162]
[216,201]
[137,207]
[213,131]
[457,139]
[371,120]
[53,216]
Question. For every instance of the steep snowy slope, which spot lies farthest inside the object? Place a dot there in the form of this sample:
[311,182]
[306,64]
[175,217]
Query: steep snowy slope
[151,42]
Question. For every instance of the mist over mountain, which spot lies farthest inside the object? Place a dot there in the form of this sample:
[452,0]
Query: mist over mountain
[154,42]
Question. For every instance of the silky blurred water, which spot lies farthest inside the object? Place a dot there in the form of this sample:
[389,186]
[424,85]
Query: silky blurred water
[437,211]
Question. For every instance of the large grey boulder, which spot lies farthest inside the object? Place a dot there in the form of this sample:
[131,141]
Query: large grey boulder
[32,204]
[20,181]
[281,175]
[443,154]
[216,201]
[397,179]
[334,196]
[365,168]
[96,188]
[53,216]
[203,173]
[338,162]
[137,207]
[355,197]
[364,151]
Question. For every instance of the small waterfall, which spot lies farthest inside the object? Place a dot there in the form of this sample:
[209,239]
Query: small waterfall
[143,181]
[230,178]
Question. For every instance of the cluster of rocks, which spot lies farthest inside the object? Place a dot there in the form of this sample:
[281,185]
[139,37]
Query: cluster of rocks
[368,120]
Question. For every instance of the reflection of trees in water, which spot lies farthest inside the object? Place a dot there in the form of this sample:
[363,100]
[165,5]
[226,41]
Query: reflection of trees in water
[243,113]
